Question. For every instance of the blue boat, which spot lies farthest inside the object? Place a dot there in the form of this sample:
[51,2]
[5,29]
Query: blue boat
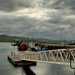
[41,49]
[37,48]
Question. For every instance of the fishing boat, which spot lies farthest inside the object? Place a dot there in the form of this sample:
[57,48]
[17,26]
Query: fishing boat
[21,45]
[41,49]
[38,48]
[16,42]
[34,47]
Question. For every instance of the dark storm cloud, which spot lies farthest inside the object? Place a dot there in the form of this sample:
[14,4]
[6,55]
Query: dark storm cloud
[57,4]
[12,5]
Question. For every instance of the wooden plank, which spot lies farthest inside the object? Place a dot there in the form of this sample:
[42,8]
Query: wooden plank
[15,58]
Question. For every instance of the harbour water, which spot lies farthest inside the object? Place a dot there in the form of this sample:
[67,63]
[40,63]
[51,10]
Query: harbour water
[6,68]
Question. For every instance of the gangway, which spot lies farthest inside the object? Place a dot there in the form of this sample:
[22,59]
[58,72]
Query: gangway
[58,56]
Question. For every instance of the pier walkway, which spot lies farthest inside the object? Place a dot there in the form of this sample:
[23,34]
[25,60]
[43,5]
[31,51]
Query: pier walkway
[58,56]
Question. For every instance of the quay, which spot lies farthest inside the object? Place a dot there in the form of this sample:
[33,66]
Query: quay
[52,46]
[59,46]
[16,61]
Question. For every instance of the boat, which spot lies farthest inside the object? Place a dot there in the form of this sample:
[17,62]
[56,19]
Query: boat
[21,45]
[38,48]
[34,47]
[41,49]
[16,42]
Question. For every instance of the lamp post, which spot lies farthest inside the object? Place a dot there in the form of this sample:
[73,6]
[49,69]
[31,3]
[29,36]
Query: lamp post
[32,37]
[42,34]
[61,31]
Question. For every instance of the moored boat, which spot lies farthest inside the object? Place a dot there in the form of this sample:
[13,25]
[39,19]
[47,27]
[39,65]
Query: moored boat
[40,48]
[21,45]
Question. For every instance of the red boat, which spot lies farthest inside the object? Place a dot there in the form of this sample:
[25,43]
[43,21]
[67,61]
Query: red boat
[20,44]
[22,47]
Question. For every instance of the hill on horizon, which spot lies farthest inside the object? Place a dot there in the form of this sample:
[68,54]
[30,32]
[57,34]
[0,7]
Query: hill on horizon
[6,38]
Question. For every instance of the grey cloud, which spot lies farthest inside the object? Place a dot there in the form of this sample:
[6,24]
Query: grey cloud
[13,5]
[58,4]
[60,17]
[23,25]
[17,24]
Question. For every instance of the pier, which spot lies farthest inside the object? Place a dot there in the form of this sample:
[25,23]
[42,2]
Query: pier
[59,46]
[58,56]
[16,61]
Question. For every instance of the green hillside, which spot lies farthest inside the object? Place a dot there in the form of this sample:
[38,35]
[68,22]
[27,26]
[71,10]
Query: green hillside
[6,38]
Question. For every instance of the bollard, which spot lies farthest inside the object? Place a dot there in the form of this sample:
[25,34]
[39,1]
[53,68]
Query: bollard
[11,52]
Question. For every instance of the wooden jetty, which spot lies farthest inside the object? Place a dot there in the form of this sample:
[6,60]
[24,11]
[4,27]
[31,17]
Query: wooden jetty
[15,60]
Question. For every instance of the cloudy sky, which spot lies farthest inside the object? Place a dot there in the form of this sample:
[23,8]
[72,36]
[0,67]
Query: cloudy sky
[38,18]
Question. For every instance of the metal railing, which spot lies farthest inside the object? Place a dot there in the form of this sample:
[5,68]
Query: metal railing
[61,56]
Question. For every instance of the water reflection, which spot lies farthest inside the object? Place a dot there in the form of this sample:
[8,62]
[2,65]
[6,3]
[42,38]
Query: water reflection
[28,70]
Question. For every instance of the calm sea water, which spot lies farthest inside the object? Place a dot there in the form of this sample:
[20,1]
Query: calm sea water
[6,68]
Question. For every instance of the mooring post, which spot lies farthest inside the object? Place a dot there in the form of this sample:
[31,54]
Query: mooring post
[71,58]
[74,71]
